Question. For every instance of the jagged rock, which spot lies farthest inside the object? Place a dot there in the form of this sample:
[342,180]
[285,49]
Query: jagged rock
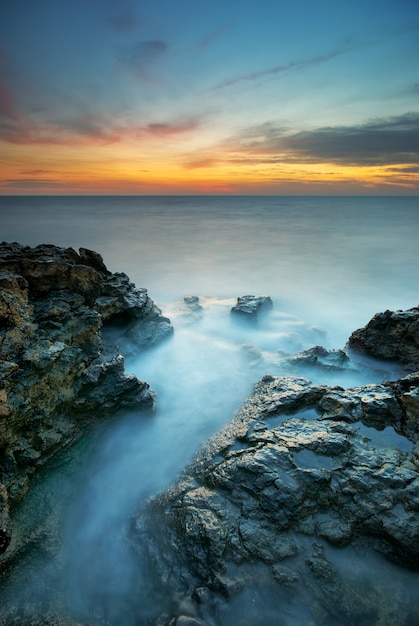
[321,358]
[134,320]
[56,372]
[390,335]
[270,488]
[250,308]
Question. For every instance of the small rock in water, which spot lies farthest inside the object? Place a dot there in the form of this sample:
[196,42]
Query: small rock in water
[251,307]
[192,302]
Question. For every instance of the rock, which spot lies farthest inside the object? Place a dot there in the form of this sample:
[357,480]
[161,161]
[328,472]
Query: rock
[275,497]
[131,318]
[57,373]
[189,310]
[251,308]
[337,598]
[392,336]
[320,358]
[192,302]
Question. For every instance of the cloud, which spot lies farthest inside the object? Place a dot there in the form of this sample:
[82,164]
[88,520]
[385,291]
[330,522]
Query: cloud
[213,36]
[376,142]
[138,57]
[122,23]
[13,122]
[121,16]
[168,130]
[278,69]
[405,170]
[29,183]
[202,162]
[83,129]
[8,110]
[379,142]
[36,172]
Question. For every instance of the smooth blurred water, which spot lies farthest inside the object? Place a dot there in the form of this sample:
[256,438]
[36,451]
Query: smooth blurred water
[329,264]
[334,260]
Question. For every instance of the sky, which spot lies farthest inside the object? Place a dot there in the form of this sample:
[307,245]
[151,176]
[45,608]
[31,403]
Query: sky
[209,97]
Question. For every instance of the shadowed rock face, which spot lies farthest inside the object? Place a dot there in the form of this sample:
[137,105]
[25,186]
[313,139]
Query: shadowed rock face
[299,472]
[56,372]
[390,335]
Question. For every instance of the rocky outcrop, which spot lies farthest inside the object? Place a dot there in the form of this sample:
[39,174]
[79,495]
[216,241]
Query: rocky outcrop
[392,335]
[251,308]
[57,373]
[301,470]
[257,529]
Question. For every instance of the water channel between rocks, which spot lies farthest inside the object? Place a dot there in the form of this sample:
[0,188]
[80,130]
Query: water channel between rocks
[79,509]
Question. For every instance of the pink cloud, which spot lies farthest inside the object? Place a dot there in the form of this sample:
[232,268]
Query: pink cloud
[17,128]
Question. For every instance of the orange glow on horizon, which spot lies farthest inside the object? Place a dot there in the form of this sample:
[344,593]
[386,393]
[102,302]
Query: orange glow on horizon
[148,169]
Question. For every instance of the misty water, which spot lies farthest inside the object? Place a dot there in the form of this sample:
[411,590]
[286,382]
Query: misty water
[328,263]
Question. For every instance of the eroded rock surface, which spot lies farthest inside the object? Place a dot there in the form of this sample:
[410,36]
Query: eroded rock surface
[392,335]
[301,471]
[56,371]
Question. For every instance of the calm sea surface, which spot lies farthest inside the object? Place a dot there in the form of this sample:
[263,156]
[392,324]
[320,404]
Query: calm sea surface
[329,257]
[328,263]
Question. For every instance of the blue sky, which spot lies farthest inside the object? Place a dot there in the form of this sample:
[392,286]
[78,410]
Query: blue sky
[239,97]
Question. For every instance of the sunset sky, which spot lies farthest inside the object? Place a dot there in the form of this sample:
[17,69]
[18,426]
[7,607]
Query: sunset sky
[218,97]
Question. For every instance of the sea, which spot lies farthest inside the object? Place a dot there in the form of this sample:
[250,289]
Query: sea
[329,263]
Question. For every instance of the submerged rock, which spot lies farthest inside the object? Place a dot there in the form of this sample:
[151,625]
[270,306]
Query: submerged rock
[250,308]
[319,358]
[57,373]
[293,476]
[192,303]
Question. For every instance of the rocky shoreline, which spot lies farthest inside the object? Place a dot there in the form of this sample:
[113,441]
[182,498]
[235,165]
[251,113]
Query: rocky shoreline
[57,372]
[279,497]
[255,530]
[301,473]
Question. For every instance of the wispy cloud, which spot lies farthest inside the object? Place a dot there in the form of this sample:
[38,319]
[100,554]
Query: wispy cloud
[122,23]
[278,69]
[83,129]
[405,170]
[138,58]
[36,172]
[121,16]
[13,122]
[30,183]
[213,36]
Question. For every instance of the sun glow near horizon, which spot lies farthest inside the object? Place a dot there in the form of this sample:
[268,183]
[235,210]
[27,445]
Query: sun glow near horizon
[138,100]
[108,171]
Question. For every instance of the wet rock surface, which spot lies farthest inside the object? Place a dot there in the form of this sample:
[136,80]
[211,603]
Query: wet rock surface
[298,475]
[302,510]
[392,335]
[251,308]
[57,373]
